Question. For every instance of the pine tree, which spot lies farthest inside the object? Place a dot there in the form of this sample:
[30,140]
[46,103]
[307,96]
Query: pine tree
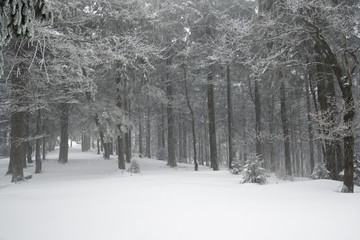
[134,167]
[237,167]
[17,18]
[320,171]
[253,171]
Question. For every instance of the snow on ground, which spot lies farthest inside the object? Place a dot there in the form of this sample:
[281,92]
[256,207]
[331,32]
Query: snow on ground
[90,199]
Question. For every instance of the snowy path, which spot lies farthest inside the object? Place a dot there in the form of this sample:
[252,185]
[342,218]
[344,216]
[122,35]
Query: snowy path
[88,198]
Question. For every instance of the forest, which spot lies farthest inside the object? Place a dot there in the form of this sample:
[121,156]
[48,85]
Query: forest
[214,83]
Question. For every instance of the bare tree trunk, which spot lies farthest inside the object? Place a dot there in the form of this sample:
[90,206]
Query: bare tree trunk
[310,126]
[159,139]
[17,147]
[148,136]
[120,146]
[44,132]
[16,135]
[128,132]
[323,77]
[230,118]
[85,142]
[258,120]
[98,145]
[140,137]
[28,143]
[244,128]
[64,133]
[128,146]
[285,125]
[180,142]
[212,127]
[170,120]
[184,143]
[38,163]
[192,119]
[119,141]
[271,131]
[206,145]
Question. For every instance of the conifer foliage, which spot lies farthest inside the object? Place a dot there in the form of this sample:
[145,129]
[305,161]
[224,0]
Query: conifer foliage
[320,171]
[17,17]
[253,171]
[237,167]
[134,167]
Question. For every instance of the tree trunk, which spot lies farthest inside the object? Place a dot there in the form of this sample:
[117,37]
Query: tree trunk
[64,133]
[323,77]
[192,119]
[212,126]
[128,146]
[85,142]
[272,166]
[310,126]
[180,142]
[285,125]
[17,147]
[107,150]
[28,143]
[184,143]
[121,159]
[230,117]
[206,144]
[127,135]
[148,135]
[159,140]
[244,128]
[98,145]
[170,120]
[38,163]
[258,120]
[44,132]
[140,137]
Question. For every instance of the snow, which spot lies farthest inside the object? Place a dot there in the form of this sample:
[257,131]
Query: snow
[88,198]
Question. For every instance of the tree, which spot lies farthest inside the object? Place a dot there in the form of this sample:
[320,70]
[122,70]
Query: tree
[17,18]
[253,172]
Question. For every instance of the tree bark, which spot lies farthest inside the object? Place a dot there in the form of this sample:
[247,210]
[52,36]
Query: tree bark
[98,145]
[310,126]
[64,133]
[230,117]
[272,166]
[38,163]
[119,104]
[17,147]
[128,146]
[258,120]
[44,131]
[285,125]
[324,76]
[121,159]
[184,143]
[85,142]
[140,137]
[212,126]
[148,135]
[192,119]
[170,120]
[28,143]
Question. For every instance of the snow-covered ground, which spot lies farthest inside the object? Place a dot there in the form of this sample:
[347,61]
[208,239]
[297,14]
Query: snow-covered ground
[88,198]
